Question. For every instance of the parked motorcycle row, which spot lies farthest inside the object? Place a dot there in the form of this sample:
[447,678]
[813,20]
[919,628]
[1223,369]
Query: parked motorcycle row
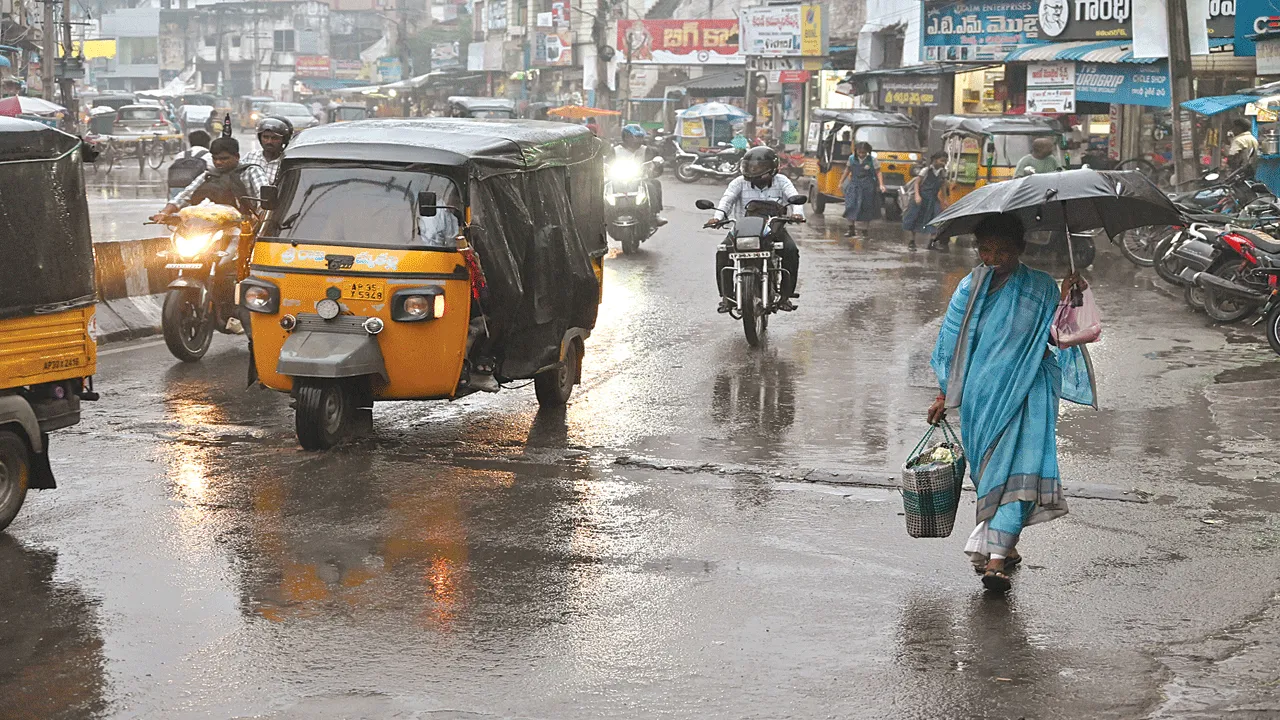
[1226,258]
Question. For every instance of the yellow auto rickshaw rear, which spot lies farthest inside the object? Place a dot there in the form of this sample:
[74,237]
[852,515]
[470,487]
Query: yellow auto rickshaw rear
[47,351]
[372,281]
[894,143]
[983,149]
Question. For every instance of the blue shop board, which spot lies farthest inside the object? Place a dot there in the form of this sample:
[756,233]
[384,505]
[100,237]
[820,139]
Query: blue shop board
[1123,84]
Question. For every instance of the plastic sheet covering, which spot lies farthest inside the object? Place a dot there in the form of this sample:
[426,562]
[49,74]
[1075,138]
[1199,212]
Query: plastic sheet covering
[45,245]
[536,234]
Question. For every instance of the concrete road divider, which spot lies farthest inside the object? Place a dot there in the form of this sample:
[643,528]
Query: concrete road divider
[131,280]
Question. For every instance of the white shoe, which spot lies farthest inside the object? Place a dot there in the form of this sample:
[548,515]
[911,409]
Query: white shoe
[235,327]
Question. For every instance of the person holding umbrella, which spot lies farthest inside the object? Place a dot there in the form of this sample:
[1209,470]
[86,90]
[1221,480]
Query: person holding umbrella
[994,358]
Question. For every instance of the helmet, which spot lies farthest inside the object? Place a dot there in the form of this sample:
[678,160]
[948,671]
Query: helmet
[760,163]
[633,130]
[278,125]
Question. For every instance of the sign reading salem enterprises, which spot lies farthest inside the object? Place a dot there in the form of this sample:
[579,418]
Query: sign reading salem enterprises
[987,30]
[1123,84]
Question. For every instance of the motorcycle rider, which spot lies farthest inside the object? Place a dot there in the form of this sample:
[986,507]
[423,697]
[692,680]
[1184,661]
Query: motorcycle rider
[760,180]
[228,183]
[633,148]
[274,134]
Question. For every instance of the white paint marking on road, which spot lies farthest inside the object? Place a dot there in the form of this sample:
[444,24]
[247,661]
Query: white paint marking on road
[139,346]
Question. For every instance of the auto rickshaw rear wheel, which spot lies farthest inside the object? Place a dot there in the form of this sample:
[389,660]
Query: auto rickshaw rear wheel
[816,198]
[323,412]
[554,387]
[15,474]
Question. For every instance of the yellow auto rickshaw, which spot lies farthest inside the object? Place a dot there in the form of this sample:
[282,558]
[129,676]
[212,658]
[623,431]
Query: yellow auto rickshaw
[422,259]
[983,149]
[249,110]
[895,144]
[47,350]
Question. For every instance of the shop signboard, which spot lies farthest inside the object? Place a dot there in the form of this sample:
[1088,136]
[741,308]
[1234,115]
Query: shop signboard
[312,66]
[552,47]
[920,91]
[1051,101]
[680,42]
[444,56]
[786,31]
[389,69]
[1222,18]
[1252,18]
[1051,74]
[347,69]
[1123,84]
[987,30]
[1268,50]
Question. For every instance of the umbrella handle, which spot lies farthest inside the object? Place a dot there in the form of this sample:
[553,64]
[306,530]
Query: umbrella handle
[1071,251]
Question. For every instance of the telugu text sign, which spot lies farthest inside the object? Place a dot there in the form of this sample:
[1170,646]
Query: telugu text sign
[916,92]
[791,30]
[1123,84]
[1051,74]
[680,42]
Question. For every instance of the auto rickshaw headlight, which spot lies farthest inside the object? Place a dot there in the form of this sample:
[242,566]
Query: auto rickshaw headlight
[414,304]
[259,296]
[913,157]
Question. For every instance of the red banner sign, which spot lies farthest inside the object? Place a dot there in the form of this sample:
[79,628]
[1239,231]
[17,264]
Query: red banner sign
[311,66]
[679,42]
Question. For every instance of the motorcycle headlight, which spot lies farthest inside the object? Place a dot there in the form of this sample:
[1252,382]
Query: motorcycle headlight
[748,243]
[624,170]
[189,246]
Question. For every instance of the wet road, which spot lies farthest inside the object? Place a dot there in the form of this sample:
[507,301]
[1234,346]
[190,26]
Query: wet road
[481,559]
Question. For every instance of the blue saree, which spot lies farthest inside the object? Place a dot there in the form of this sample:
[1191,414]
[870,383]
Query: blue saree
[994,362]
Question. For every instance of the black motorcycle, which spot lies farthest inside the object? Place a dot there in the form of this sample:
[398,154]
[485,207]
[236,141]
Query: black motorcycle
[722,164]
[628,206]
[201,298]
[755,271]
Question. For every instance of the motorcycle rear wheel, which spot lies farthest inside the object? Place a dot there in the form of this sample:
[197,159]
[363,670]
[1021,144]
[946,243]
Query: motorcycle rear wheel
[1138,245]
[188,329]
[1167,269]
[1222,307]
[1194,296]
[685,173]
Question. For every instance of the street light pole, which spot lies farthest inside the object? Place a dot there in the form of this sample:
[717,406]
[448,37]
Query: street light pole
[49,38]
[1179,85]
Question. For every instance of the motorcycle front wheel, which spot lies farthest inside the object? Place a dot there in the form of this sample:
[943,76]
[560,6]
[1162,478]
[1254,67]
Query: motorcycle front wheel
[188,328]
[1138,245]
[685,173]
[1273,329]
[1222,307]
[1167,267]
[754,319]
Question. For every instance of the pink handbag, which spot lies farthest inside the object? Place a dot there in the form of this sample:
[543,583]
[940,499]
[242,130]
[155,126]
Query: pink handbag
[1076,324]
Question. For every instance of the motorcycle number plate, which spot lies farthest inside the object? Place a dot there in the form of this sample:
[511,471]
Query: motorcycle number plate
[183,266]
[370,290]
[750,255]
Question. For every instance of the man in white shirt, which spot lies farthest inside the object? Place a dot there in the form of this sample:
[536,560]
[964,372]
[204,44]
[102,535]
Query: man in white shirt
[760,180]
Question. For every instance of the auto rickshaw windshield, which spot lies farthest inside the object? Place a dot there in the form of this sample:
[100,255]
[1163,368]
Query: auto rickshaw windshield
[888,138]
[501,114]
[365,207]
[1012,148]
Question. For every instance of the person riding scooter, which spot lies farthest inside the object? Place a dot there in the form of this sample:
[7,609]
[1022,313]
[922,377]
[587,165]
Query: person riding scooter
[760,180]
[634,148]
[274,134]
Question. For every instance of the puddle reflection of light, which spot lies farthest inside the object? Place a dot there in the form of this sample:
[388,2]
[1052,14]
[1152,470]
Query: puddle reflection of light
[191,478]
[442,579]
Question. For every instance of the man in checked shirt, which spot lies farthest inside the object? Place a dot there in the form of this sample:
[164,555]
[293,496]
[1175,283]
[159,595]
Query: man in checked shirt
[274,134]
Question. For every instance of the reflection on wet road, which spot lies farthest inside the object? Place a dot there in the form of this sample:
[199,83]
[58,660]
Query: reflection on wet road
[480,558]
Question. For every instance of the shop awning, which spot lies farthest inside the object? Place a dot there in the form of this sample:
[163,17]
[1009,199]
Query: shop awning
[1218,103]
[726,84]
[1102,51]
[330,83]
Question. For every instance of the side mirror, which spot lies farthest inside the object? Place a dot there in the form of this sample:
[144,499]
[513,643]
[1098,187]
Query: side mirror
[705,205]
[427,204]
[797,199]
[270,196]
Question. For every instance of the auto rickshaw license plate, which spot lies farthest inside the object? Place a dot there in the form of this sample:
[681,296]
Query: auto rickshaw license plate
[365,290]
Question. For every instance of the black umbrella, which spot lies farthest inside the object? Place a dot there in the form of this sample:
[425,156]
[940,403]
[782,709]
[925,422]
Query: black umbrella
[1073,200]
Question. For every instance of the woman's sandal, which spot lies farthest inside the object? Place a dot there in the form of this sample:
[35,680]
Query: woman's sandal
[996,581]
[1010,563]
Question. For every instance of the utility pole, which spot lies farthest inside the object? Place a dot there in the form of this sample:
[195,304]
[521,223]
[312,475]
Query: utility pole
[48,52]
[67,83]
[1179,85]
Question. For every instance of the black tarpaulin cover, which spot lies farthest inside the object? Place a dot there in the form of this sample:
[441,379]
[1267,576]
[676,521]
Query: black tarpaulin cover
[46,252]
[536,191]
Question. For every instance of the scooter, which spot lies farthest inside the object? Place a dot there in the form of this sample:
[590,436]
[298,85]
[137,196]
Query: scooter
[627,203]
[201,298]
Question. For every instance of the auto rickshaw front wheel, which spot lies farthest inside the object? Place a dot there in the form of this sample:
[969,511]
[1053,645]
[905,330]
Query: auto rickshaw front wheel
[554,387]
[323,412]
[15,475]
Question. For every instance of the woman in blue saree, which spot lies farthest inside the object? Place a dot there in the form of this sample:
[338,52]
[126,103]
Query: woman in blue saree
[995,362]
